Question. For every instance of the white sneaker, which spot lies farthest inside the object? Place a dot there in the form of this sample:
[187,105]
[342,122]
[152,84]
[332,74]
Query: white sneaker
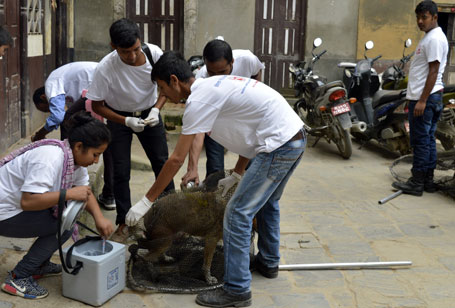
[107,203]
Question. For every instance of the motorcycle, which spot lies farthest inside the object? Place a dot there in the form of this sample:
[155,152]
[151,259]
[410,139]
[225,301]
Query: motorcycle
[376,114]
[322,106]
[394,77]
[196,62]
[445,131]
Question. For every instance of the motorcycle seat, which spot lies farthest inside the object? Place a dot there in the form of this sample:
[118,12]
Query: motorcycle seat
[449,88]
[332,84]
[384,96]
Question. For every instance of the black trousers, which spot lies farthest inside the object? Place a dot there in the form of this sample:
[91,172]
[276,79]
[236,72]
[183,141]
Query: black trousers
[27,224]
[153,141]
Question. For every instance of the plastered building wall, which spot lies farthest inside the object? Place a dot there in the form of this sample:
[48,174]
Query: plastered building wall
[207,19]
[336,23]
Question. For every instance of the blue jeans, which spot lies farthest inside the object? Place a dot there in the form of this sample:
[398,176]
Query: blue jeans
[257,194]
[422,130]
[215,156]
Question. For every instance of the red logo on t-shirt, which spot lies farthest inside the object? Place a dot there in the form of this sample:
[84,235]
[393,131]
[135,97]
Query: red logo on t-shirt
[418,51]
[236,78]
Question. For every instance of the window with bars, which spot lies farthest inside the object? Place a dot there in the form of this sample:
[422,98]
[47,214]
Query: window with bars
[34,16]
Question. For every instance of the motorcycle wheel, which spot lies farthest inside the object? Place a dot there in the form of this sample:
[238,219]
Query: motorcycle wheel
[343,142]
[300,109]
[447,142]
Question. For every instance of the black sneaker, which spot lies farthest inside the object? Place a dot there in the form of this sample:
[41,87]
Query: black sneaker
[24,287]
[48,269]
[222,298]
[264,270]
[107,203]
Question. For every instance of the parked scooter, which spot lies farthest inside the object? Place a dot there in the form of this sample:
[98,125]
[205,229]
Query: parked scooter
[378,115]
[394,77]
[445,131]
[196,62]
[323,106]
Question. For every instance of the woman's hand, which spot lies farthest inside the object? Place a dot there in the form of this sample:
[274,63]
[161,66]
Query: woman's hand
[104,226]
[80,193]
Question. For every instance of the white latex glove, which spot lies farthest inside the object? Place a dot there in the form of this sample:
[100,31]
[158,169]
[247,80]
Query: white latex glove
[228,182]
[153,117]
[136,124]
[137,211]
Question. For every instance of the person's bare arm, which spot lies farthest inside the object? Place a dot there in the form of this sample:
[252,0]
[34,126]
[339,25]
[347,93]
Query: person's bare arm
[100,108]
[429,84]
[241,164]
[38,202]
[160,101]
[195,152]
[103,225]
[171,167]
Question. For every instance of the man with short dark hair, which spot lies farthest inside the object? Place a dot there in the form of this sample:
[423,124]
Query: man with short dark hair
[250,119]
[219,59]
[122,92]
[424,93]
[5,40]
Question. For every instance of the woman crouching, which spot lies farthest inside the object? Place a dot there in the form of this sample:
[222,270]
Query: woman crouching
[30,182]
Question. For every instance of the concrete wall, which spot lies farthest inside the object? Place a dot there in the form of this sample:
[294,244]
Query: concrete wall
[336,23]
[91,30]
[206,19]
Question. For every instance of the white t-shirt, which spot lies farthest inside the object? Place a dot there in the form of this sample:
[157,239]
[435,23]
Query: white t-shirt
[36,171]
[244,115]
[432,47]
[246,64]
[70,79]
[125,87]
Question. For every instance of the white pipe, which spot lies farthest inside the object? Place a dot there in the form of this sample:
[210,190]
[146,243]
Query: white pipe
[354,265]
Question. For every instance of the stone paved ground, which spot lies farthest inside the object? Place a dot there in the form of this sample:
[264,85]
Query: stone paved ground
[330,213]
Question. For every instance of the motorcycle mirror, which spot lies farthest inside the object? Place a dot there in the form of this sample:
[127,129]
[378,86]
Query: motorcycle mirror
[292,68]
[317,42]
[408,43]
[369,45]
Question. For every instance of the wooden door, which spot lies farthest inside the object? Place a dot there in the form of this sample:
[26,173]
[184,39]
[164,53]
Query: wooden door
[279,38]
[160,21]
[10,98]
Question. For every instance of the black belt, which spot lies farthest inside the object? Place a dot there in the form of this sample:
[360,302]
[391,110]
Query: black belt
[137,114]
[298,136]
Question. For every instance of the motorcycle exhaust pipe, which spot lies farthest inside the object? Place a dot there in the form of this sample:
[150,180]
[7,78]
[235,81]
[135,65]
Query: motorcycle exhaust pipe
[359,127]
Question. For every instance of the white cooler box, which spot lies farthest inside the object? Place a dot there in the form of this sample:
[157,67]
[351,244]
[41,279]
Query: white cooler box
[101,277]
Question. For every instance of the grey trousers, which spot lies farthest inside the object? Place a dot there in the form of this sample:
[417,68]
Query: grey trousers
[28,224]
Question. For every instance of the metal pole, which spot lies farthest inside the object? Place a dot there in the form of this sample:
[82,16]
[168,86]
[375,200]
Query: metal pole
[354,265]
[388,198]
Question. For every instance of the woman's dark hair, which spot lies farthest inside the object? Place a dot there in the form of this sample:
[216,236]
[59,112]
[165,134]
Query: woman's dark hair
[171,63]
[427,6]
[124,33]
[82,127]
[216,50]
[37,96]
[5,37]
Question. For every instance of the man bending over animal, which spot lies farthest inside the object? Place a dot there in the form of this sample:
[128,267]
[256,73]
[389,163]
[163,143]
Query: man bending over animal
[250,119]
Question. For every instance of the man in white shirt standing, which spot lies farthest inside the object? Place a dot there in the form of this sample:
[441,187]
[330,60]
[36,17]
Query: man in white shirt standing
[122,92]
[219,59]
[424,93]
[250,119]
